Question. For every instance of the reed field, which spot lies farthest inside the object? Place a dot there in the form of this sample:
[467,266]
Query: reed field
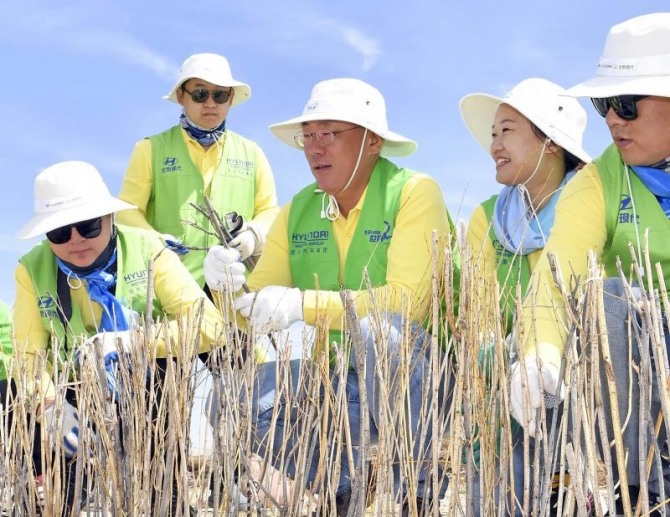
[134,456]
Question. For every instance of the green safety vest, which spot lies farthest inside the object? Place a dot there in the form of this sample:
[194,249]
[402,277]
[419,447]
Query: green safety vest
[625,223]
[178,184]
[313,253]
[134,249]
[512,269]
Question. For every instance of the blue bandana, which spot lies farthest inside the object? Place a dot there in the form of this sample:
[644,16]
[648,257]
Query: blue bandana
[518,228]
[98,283]
[658,182]
[200,134]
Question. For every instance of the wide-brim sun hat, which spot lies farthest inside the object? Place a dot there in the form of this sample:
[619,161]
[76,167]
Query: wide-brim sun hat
[214,69]
[347,100]
[545,104]
[635,61]
[66,193]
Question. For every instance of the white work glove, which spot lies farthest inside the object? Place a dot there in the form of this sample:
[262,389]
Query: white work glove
[69,422]
[248,242]
[543,389]
[223,269]
[272,308]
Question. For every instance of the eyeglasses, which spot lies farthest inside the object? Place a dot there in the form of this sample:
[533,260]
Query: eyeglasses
[201,95]
[89,229]
[624,106]
[303,138]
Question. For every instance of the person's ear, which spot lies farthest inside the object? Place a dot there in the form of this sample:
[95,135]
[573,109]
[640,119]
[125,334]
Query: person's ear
[180,95]
[551,146]
[375,143]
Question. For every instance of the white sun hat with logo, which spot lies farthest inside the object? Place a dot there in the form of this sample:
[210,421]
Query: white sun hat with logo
[636,60]
[214,69]
[347,100]
[66,193]
[544,103]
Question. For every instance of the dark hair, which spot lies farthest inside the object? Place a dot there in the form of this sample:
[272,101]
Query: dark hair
[571,161]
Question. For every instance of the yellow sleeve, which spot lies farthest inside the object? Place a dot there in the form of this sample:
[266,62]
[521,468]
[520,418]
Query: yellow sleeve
[179,294]
[409,265]
[31,340]
[273,266]
[579,227]
[137,186]
[265,204]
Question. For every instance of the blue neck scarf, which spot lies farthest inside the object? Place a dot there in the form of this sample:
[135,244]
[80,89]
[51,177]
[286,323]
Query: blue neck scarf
[202,135]
[658,182]
[518,228]
[99,282]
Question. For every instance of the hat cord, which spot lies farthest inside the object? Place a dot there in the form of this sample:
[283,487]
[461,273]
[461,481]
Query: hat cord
[525,194]
[333,211]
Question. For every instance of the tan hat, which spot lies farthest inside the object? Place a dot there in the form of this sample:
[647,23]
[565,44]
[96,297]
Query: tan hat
[214,69]
[636,60]
[347,100]
[542,102]
[67,193]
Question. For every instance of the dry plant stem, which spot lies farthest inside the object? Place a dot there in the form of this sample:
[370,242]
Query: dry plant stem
[359,484]
[614,404]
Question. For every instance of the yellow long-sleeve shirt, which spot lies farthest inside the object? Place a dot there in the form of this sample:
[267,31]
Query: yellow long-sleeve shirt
[174,288]
[138,183]
[579,228]
[409,255]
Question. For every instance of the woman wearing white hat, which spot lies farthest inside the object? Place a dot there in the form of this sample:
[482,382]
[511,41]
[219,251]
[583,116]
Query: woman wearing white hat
[198,157]
[534,135]
[622,198]
[88,279]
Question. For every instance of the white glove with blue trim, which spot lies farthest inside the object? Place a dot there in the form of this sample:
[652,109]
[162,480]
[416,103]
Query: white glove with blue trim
[272,308]
[111,343]
[69,421]
[542,389]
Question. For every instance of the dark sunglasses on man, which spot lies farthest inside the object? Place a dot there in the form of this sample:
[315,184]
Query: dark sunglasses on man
[624,106]
[201,95]
[89,229]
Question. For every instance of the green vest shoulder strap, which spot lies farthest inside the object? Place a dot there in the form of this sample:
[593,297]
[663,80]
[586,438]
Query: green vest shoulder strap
[631,212]
[512,269]
[178,185]
[134,250]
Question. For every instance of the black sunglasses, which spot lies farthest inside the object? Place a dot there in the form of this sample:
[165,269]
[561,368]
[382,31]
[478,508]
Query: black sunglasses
[201,95]
[87,229]
[624,106]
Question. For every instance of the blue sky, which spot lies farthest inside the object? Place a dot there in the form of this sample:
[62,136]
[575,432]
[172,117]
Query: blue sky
[84,79]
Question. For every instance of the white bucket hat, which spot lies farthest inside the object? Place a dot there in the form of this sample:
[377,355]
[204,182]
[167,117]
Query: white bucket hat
[636,60]
[67,193]
[214,69]
[347,100]
[542,102]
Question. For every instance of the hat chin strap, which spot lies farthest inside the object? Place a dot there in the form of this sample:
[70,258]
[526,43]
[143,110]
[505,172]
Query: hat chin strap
[333,210]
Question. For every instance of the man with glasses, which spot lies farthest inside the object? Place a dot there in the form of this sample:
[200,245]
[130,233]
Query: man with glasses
[88,280]
[619,200]
[201,157]
[363,219]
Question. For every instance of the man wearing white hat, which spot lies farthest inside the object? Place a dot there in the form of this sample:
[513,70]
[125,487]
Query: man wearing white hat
[201,157]
[363,213]
[88,280]
[622,197]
